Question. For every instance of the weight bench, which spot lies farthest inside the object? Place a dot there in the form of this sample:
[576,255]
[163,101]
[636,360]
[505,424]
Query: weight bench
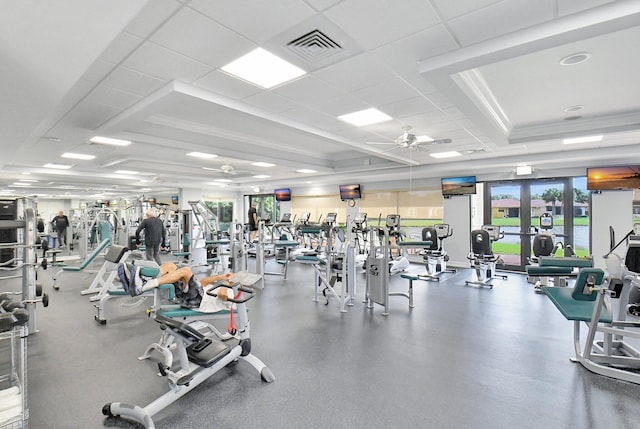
[103,281]
[151,270]
[88,260]
[589,302]
[555,269]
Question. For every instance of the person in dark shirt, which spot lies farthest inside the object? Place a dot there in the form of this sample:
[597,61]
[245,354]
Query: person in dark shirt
[60,223]
[154,236]
[253,222]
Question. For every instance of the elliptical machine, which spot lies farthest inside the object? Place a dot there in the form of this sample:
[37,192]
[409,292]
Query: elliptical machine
[399,262]
[435,256]
[482,257]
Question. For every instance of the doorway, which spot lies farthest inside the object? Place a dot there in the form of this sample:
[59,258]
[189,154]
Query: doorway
[516,207]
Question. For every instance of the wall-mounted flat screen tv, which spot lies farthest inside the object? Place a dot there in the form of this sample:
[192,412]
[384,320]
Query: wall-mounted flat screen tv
[608,178]
[462,185]
[350,192]
[283,194]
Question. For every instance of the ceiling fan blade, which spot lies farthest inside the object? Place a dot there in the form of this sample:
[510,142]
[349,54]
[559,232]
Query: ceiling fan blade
[385,143]
[390,149]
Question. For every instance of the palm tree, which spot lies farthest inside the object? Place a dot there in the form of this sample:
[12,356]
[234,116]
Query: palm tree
[552,195]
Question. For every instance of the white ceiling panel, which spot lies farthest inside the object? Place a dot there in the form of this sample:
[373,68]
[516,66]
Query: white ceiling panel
[450,9]
[165,64]
[112,97]
[127,80]
[224,84]
[384,22]
[402,55]
[202,39]
[309,90]
[567,7]
[355,73]
[262,19]
[385,93]
[153,15]
[270,101]
[98,70]
[321,5]
[500,18]
[121,47]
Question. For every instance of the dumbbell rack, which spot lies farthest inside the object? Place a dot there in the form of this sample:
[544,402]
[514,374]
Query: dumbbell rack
[14,412]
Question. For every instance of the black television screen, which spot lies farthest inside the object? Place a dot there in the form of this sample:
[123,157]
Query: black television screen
[618,177]
[463,185]
[174,199]
[350,192]
[283,194]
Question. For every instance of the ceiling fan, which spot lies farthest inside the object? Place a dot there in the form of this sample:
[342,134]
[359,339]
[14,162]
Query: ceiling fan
[225,168]
[408,140]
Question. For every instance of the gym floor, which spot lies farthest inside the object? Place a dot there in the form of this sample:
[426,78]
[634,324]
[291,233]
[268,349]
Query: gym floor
[464,357]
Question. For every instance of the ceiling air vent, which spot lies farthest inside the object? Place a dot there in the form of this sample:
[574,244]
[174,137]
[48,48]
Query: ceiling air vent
[314,46]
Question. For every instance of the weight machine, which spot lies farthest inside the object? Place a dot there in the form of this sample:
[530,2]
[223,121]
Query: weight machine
[482,258]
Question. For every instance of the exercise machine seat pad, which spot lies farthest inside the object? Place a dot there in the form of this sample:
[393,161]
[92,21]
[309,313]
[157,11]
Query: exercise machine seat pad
[573,309]
[535,270]
[568,261]
[91,257]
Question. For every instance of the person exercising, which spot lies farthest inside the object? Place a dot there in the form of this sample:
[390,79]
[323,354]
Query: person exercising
[182,278]
[253,221]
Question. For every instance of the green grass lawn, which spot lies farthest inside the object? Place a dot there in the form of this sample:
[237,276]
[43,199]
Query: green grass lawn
[557,221]
[514,249]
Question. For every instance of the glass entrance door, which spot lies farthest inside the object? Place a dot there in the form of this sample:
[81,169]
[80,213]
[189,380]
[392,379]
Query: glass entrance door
[516,207]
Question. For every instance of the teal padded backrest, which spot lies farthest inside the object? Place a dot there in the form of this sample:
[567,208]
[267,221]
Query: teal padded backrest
[587,275]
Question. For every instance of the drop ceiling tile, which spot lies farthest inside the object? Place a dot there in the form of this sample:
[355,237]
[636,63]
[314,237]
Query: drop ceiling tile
[112,97]
[194,35]
[450,9]
[567,7]
[384,21]
[312,117]
[163,63]
[224,84]
[321,5]
[407,108]
[131,81]
[403,55]
[355,73]
[308,90]
[98,70]
[121,46]
[501,18]
[90,115]
[385,93]
[270,102]
[340,105]
[152,15]
[261,20]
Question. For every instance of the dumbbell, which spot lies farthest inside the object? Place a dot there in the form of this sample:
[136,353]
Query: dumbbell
[18,316]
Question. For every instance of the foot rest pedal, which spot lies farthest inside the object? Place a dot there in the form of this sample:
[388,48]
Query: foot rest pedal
[207,351]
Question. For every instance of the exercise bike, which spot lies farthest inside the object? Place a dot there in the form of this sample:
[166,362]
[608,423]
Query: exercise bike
[482,258]
[435,256]
[199,355]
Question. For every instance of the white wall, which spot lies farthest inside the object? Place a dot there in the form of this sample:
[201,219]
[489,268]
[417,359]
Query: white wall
[613,208]
[457,213]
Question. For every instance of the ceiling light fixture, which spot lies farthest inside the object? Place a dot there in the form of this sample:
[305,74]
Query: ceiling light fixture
[109,140]
[28,180]
[450,154]
[573,59]
[365,117]
[57,166]
[423,139]
[83,156]
[263,164]
[202,155]
[20,184]
[223,180]
[126,172]
[306,171]
[585,139]
[261,67]
[261,176]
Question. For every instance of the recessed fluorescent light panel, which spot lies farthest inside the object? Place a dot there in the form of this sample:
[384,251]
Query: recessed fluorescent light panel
[21,184]
[365,117]
[306,171]
[449,154]
[57,166]
[108,140]
[586,139]
[262,164]
[72,155]
[126,172]
[223,180]
[262,68]
[423,139]
[261,176]
[202,155]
